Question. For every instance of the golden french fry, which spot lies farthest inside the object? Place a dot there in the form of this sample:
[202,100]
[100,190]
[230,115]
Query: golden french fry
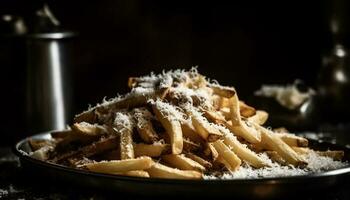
[231,158]
[204,129]
[144,125]
[171,125]
[132,100]
[245,110]
[246,131]
[123,125]
[273,155]
[210,151]
[151,150]
[234,111]
[117,166]
[182,162]
[135,173]
[226,113]
[161,171]
[293,140]
[223,91]
[336,155]
[243,152]
[200,160]
[275,143]
[188,131]
[215,117]
[189,146]
[260,117]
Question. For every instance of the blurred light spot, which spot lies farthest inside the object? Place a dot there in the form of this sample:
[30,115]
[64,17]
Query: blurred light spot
[340,76]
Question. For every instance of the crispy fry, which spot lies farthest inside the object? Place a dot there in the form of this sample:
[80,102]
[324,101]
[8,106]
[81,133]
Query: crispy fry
[190,146]
[135,173]
[172,127]
[211,151]
[335,155]
[124,125]
[118,166]
[273,155]
[260,117]
[275,143]
[130,101]
[226,92]
[231,158]
[161,171]
[182,162]
[243,152]
[151,150]
[189,132]
[104,144]
[245,110]
[226,113]
[245,131]
[200,160]
[204,129]
[144,125]
[293,140]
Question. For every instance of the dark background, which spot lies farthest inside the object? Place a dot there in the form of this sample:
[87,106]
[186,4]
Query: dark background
[242,44]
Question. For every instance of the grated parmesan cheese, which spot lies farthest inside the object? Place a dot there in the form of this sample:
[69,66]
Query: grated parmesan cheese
[316,164]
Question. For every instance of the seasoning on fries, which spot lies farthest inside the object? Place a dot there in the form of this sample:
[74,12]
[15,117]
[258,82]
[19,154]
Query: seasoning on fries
[176,125]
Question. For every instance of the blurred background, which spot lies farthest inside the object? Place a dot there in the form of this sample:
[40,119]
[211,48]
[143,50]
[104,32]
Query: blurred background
[244,44]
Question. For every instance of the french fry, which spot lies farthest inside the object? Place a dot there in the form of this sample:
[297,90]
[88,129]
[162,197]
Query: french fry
[231,158]
[273,155]
[124,125]
[335,155]
[182,162]
[172,127]
[234,111]
[135,173]
[151,150]
[118,166]
[245,110]
[260,117]
[226,92]
[103,145]
[245,131]
[293,140]
[243,152]
[189,146]
[126,147]
[210,151]
[226,113]
[200,160]
[215,117]
[204,129]
[132,100]
[189,132]
[275,143]
[162,171]
[239,127]
[144,125]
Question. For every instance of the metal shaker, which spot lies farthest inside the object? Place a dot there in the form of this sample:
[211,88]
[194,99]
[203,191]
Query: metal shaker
[48,85]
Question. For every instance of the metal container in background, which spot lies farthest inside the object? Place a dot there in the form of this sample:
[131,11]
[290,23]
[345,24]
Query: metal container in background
[48,88]
[36,55]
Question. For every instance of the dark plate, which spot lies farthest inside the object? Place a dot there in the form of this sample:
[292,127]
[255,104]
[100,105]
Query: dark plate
[251,188]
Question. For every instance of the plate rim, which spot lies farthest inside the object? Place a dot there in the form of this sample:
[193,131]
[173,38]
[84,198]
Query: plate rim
[265,180]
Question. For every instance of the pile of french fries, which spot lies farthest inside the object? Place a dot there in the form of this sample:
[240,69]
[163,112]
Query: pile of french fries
[175,125]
